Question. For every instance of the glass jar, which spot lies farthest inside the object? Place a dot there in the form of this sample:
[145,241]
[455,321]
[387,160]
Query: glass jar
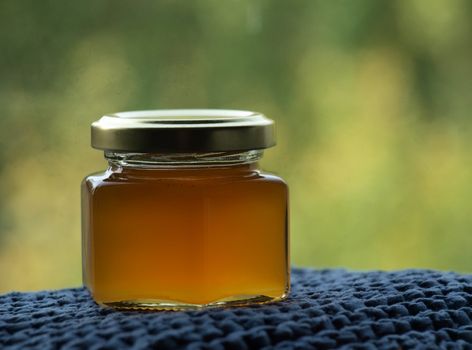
[183,217]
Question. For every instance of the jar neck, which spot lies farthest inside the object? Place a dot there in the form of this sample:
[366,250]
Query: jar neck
[182,160]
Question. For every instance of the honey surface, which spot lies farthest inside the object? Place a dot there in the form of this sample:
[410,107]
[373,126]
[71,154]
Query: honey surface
[193,236]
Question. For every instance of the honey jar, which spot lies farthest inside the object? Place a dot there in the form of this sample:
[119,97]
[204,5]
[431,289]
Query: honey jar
[183,217]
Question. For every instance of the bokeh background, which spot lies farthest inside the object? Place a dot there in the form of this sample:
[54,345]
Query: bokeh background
[372,100]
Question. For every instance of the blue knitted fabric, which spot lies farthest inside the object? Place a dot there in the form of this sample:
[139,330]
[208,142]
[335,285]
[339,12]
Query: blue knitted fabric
[326,309]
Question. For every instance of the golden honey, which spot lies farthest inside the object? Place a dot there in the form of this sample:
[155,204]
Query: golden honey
[184,230]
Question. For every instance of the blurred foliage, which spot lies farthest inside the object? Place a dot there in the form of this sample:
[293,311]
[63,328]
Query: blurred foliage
[372,101]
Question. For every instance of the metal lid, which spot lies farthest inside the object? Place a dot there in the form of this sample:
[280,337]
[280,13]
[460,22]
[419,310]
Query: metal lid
[183,130]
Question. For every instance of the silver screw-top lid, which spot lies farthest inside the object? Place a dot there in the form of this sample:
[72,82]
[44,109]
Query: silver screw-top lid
[183,130]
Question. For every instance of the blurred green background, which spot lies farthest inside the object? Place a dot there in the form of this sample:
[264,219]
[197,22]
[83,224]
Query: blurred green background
[372,100]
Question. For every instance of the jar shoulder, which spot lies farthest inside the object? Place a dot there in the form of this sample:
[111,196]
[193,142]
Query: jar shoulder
[109,178]
[94,180]
[273,178]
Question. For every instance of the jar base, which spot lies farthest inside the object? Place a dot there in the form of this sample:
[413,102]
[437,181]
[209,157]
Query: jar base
[171,305]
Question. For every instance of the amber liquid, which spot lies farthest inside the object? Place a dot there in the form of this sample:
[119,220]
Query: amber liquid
[194,237]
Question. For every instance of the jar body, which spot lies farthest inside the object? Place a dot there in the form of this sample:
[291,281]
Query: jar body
[178,237]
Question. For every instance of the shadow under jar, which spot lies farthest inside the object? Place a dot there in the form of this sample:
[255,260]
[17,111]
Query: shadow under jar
[183,217]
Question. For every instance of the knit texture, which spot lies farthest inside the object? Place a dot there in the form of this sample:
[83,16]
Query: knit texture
[326,309]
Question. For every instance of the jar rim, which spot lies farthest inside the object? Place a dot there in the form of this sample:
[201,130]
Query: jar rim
[183,130]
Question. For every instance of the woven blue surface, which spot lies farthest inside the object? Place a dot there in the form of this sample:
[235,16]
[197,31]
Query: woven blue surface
[327,309]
